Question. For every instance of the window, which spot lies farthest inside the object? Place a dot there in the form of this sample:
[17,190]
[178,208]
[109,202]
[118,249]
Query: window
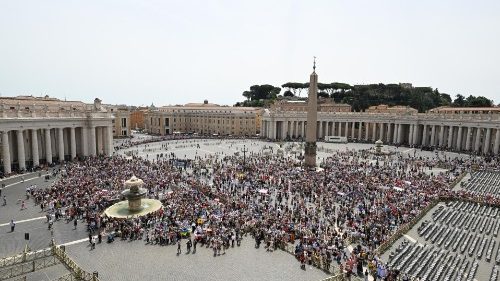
[167,122]
[124,123]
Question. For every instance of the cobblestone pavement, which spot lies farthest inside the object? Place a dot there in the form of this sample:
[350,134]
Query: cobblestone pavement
[124,260]
[48,273]
[188,149]
[14,195]
[133,260]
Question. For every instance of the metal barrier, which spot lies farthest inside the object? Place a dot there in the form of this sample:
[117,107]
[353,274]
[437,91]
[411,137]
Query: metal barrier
[76,270]
[25,257]
[27,267]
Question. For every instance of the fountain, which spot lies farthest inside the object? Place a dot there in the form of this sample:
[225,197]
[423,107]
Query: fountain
[136,204]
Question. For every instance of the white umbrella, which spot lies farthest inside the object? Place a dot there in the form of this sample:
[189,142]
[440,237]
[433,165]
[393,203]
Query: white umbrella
[263,191]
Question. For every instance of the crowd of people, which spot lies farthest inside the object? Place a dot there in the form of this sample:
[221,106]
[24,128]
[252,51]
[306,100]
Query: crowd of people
[219,199]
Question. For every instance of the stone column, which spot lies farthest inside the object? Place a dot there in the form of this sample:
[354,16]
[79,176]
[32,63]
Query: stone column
[410,134]
[415,134]
[72,142]
[333,128]
[92,146]
[389,132]
[459,139]
[381,133]
[400,133]
[346,130]
[367,130]
[424,135]
[303,133]
[48,147]
[20,150]
[99,139]
[60,144]
[6,153]
[450,136]
[353,130]
[374,132]
[477,142]
[467,139]
[84,142]
[497,142]
[110,140]
[360,130]
[441,136]
[395,133]
[34,147]
[320,131]
[486,147]
[433,135]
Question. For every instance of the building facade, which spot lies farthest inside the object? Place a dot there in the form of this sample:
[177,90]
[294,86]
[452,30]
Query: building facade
[456,131]
[36,131]
[137,118]
[324,105]
[204,119]
[121,120]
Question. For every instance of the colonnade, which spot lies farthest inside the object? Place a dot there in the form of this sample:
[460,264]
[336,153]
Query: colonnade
[481,138]
[30,147]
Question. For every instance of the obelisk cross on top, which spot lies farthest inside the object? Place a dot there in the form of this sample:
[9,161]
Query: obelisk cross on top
[312,118]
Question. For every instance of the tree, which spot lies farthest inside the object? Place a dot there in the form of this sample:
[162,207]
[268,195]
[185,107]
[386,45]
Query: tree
[445,99]
[360,97]
[260,92]
[459,101]
[323,94]
[295,87]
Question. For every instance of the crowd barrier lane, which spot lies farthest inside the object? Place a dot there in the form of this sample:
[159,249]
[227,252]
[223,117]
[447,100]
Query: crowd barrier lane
[77,271]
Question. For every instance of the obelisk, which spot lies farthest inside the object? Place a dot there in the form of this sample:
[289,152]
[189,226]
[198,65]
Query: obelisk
[312,118]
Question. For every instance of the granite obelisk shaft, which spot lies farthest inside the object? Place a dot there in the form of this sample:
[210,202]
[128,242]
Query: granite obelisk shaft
[312,117]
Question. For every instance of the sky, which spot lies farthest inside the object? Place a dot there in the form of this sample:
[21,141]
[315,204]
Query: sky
[175,52]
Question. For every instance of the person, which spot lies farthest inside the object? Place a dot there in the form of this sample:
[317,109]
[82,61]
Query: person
[99,237]
[92,243]
[75,223]
[23,205]
[4,200]
[12,225]
[188,245]
[179,247]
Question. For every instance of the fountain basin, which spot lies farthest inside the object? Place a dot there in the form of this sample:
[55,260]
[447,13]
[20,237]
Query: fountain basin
[121,209]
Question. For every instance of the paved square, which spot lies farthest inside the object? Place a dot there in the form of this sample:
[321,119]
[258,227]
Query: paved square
[123,260]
